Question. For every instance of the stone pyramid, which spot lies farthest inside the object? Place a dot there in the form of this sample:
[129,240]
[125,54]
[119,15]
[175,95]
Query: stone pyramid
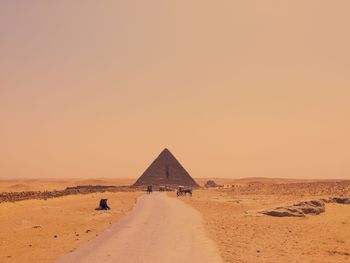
[166,170]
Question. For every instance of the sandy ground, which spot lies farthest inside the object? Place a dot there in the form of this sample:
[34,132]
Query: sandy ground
[241,236]
[159,229]
[40,231]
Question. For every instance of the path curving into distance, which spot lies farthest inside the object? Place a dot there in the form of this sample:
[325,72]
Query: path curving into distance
[158,229]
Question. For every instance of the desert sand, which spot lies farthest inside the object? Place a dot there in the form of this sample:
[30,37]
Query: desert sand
[159,229]
[226,223]
[41,231]
[233,221]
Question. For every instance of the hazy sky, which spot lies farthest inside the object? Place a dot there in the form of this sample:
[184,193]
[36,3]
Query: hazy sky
[232,88]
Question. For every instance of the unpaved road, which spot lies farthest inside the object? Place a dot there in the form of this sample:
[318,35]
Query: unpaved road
[158,229]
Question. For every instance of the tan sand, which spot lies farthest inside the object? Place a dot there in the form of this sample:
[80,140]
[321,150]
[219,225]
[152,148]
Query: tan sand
[242,237]
[41,231]
[159,229]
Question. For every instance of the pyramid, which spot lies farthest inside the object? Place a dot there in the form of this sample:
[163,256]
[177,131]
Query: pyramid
[166,170]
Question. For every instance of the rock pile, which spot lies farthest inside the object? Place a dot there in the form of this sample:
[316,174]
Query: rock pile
[300,209]
[91,187]
[340,200]
[88,189]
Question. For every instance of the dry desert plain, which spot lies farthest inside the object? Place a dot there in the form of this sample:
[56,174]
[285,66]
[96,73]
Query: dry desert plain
[42,230]
[242,234]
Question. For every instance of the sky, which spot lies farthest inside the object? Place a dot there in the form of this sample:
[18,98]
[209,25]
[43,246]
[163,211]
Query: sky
[96,89]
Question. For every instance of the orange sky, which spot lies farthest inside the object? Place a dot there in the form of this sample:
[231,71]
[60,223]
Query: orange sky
[232,88]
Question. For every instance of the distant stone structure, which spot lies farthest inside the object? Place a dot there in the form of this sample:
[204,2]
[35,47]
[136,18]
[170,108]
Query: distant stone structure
[211,184]
[166,171]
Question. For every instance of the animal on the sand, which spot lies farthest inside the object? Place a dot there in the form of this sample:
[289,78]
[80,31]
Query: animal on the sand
[149,189]
[181,191]
[103,205]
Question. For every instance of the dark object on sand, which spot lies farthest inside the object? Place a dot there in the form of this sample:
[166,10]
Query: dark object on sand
[182,191]
[103,205]
[149,189]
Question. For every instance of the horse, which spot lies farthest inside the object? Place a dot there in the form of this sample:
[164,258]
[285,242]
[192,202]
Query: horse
[184,192]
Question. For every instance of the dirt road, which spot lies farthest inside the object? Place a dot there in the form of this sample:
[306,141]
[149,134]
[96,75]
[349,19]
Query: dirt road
[158,229]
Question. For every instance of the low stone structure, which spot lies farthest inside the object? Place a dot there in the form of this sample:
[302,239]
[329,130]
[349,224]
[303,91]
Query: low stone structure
[211,184]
